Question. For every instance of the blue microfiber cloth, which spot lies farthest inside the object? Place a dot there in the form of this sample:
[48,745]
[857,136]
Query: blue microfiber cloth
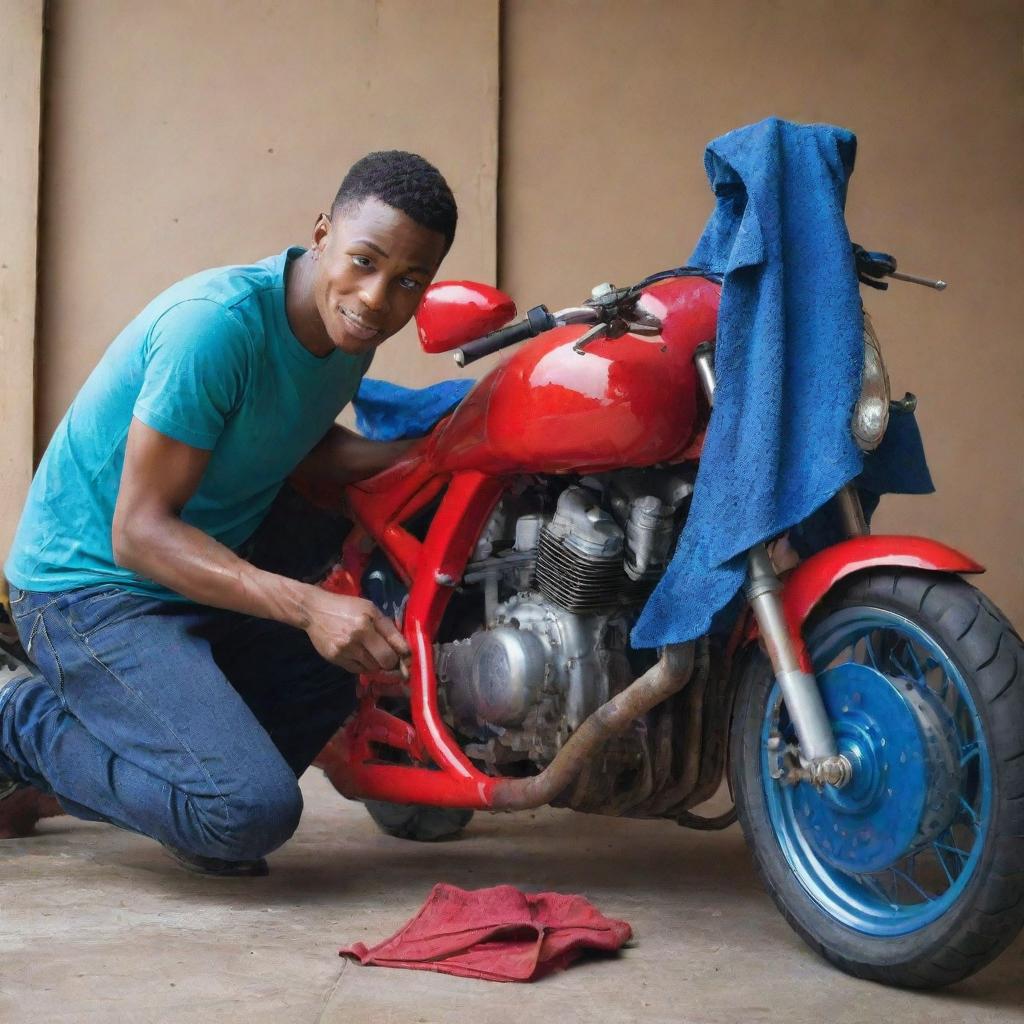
[389,412]
[788,360]
[897,466]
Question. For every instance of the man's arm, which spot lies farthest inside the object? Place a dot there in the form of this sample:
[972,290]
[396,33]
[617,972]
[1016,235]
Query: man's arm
[343,457]
[150,538]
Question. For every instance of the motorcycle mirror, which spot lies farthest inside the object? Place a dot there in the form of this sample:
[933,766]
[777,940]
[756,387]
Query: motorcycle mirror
[452,313]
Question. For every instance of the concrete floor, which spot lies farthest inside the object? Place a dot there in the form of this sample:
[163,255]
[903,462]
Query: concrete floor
[96,925]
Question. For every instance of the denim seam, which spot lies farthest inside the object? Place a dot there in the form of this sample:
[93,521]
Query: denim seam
[32,633]
[38,612]
[156,717]
[53,654]
[49,604]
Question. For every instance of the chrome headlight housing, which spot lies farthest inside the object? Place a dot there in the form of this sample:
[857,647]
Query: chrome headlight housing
[871,413]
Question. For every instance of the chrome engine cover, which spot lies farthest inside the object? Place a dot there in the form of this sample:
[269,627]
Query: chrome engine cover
[534,677]
[495,676]
[583,651]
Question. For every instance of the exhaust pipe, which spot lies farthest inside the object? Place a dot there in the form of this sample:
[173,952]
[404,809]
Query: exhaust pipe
[658,683]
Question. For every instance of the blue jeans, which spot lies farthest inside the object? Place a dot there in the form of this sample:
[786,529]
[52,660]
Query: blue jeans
[186,723]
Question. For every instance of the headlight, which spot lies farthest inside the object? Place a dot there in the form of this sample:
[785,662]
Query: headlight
[871,413]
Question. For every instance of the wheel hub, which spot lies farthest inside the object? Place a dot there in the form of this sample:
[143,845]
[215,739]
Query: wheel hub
[901,743]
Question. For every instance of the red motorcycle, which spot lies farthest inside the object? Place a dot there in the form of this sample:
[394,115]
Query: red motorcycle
[866,706]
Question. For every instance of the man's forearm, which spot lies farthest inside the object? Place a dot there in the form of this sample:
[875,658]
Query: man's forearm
[191,563]
[343,457]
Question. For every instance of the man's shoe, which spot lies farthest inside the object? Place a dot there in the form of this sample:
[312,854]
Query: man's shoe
[212,867]
[12,671]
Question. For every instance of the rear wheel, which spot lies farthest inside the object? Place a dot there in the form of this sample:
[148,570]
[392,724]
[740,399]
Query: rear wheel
[415,821]
[913,874]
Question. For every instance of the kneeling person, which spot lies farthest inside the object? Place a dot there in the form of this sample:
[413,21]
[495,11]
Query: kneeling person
[184,689]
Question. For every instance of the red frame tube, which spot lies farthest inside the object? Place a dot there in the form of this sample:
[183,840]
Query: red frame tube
[439,773]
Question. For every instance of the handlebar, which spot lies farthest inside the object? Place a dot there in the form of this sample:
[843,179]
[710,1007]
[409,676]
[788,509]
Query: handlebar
[872,266]
[538,320]
[615,307]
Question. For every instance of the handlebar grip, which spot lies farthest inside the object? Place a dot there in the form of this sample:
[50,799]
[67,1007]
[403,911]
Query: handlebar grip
[537,321]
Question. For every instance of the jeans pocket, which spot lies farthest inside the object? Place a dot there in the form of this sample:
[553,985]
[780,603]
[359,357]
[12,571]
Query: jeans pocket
[92,608]
[25,617]
[16,601]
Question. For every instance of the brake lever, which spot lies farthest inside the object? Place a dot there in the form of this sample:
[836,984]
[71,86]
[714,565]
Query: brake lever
[615,329]
[587,337]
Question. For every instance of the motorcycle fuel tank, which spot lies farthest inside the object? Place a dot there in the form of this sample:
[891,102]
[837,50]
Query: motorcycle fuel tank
[627,401]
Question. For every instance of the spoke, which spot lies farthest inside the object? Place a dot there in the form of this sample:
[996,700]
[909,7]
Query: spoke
[906,878]
[969,752]
[869,650]
[942,860]
[919,672]
[965,726]
[895,885]
[947,841]
[972,814]
[875,886]
[895,652]
[935,678]
[955,850]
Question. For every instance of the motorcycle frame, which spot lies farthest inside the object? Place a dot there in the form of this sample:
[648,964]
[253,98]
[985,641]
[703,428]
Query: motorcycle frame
[440,773]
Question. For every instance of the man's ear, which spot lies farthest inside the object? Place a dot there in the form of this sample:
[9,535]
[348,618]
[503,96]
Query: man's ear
[321,229]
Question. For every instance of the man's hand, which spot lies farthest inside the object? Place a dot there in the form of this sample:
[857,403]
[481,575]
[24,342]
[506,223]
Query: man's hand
[160,475]
[352,632]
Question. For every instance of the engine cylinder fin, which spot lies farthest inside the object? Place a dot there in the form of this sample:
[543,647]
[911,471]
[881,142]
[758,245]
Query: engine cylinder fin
[580,583]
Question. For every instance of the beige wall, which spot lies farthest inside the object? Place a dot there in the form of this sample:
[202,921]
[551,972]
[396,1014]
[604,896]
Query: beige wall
[605,120]
[191,134]
[186,134]
[21,37]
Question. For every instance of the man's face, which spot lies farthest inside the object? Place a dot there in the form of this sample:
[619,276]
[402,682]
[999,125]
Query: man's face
[374,264]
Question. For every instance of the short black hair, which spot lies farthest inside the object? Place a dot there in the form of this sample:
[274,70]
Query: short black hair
[406,182]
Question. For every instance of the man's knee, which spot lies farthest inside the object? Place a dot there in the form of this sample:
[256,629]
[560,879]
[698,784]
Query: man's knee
[269,817]
[259,819]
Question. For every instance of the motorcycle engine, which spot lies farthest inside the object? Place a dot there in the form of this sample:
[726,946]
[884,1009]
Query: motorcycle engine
[560,598]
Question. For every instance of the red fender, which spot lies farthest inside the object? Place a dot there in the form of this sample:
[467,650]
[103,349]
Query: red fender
[813,579]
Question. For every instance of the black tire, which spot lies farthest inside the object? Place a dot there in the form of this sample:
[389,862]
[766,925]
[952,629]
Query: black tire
[414,821]
[988,914]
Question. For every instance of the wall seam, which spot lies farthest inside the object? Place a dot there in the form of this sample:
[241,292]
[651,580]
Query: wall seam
[44,68]
[499,214]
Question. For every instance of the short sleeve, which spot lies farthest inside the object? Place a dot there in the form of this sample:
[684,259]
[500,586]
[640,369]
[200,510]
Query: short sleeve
[196,368]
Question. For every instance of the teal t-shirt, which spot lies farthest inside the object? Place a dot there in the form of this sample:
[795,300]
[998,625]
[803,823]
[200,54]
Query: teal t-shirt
[211,362]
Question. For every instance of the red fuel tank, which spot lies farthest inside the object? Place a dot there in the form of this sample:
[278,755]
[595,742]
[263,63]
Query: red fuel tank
[629,401]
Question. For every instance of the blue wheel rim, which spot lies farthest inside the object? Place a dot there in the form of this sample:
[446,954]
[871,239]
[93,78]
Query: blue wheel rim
[922,881]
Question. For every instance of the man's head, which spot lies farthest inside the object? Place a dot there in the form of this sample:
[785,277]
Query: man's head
[392,222]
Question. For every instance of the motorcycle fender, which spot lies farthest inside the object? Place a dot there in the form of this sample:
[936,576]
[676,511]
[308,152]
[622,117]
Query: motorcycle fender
[811,580]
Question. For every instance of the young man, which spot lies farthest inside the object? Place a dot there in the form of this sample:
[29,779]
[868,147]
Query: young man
[184,690]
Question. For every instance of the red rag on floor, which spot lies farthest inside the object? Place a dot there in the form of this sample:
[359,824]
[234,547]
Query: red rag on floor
[497,934]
